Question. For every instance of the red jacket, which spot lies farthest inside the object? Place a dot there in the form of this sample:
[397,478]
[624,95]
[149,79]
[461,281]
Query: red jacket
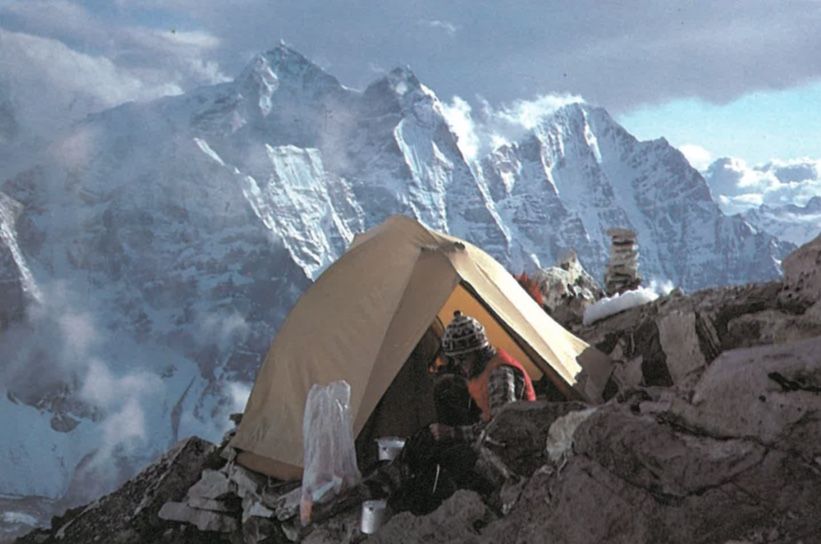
[478,386]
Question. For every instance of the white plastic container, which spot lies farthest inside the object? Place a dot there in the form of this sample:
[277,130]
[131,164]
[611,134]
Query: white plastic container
[389,447]
[373,515]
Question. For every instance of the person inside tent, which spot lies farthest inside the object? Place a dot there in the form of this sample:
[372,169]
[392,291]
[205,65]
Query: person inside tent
[493,379]
[474,382]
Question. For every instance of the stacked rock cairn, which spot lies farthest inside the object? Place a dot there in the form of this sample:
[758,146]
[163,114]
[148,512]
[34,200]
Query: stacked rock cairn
[623,269]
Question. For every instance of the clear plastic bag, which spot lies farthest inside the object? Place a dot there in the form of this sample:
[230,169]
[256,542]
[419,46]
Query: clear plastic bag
[330,456]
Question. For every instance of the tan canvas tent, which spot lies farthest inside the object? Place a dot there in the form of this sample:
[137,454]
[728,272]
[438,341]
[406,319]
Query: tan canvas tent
[364,315]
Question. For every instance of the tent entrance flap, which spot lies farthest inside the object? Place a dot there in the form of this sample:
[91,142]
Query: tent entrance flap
[463,300]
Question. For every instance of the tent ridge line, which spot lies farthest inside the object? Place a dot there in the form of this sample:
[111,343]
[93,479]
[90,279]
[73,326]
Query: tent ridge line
[565,387]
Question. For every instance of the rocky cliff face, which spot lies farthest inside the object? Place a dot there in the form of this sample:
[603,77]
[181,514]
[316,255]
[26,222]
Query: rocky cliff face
[710,438]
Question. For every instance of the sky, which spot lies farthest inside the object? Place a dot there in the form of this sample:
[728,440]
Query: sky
[719,78]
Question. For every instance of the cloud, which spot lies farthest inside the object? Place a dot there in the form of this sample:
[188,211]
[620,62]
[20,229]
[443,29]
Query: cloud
[530,113]
[222,329]
[238,394]
[160,54]
[60,62]
[104,389]
[458,116]
[59,351]
[739,187]
[49,85]
[620,56]
[615,54]
[449,28]
[698,157]
[482,130]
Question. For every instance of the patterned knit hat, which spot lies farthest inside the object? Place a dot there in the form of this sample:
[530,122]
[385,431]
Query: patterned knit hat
[463,335]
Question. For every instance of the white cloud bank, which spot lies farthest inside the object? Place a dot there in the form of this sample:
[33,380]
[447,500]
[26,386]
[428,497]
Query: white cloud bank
[738,187]
[60,62]
[49,85]
[698,157]
[479,132]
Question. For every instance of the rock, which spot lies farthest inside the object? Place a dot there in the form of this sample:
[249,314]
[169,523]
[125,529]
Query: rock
[203,520]
[342,529]
[285,506]
[672,340]
[559,443]
[63,423]
[680,342]
[211,505]
[130,514]
[771,393]
[731,461]
[774,327]
[212,484]
[252,507]
[455,520]
[257,530]
[517,435]
[246,482]
[567,289]
[802,272]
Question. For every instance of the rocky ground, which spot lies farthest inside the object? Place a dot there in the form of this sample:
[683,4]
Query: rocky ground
[711,435]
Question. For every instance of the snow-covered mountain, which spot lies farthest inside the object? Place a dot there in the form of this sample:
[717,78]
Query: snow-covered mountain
[579,172]
[148,260]
[790,222]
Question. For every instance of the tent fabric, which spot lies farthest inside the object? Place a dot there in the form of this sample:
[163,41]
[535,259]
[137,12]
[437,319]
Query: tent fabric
[365,314]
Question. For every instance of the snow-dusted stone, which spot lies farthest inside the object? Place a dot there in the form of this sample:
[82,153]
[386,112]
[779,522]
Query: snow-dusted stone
[253,507]
[618,302]
[285,506]
[802,272]
[13,268]
[247,482]
[680,342]
[203,520]
[212,505]
[213,484]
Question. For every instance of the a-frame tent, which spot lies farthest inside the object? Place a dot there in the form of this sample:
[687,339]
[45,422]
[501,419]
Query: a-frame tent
[364,315]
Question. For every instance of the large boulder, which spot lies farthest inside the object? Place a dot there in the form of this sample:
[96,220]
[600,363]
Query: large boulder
[802,272]
[738,461]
